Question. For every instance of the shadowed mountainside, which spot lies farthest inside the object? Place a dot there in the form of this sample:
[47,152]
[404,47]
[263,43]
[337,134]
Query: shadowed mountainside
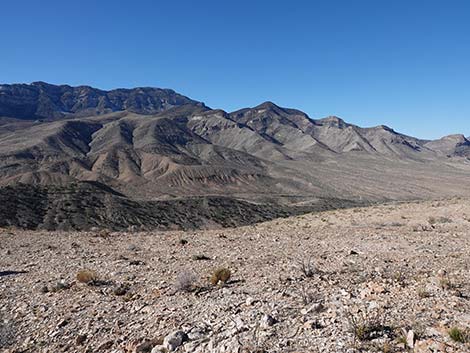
[84,205]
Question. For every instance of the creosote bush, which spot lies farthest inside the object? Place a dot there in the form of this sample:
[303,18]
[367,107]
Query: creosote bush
[221,275]
[87,276]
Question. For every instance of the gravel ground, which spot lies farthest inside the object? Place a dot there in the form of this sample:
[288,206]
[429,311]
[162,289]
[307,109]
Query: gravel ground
[389,278]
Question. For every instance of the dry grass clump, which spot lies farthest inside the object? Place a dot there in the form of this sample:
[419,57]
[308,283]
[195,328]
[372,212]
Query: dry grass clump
[459,335]
[221,275]
[103,233]
[308,267]
[87,276]
[122,289]
[423,293]
[200,257]
[185,281]
[445,283]
[368,326]
[436,220]
[308,296]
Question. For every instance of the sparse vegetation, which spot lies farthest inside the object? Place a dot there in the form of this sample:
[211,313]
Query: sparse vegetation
[104,233]
[87,276]
[372,291]
[308,296]
[185,281]
[220,276]
[459,335]
[121,289]
[423,293]
[308,267]
[437,220]
[366,325]
[445,283]
[399,276]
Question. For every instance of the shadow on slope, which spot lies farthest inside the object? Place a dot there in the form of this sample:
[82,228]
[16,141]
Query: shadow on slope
[83,205]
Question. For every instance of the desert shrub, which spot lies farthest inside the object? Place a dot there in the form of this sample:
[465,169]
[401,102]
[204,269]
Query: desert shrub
[445,283]
[308,296]
[104,233]
[199,257]
[366,325]
[121,289]
[87,277]
[307,267]
[436,220]
[459,335]
[185,281]
[399,276]
[423,293]
[221,275]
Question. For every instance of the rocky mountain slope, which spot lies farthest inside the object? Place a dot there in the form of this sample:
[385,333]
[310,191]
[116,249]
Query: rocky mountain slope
[153,144]
[388,278]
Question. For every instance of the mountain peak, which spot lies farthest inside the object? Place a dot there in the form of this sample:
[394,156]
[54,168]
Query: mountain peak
[42,100]
[333,120]
[267,105]
[454,137]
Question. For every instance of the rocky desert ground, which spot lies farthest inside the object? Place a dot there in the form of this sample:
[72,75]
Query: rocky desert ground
[387,278]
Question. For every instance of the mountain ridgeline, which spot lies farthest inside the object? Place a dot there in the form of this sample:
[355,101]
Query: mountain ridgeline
[153,145]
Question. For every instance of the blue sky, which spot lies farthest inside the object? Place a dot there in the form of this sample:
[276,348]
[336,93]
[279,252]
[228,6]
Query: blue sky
[405,64]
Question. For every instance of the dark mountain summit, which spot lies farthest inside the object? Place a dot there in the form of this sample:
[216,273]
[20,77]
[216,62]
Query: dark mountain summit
[41,100]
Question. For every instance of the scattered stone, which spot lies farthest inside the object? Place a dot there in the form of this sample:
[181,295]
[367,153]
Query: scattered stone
[174,340]
[410,339]
[250,301]
[442,273]
[62,323]
[159,349]
[267,321]
[80,339]
[200,257]
[136,262]
[105,346]
[121,289]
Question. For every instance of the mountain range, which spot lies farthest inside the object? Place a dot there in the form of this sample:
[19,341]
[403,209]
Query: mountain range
[151,144]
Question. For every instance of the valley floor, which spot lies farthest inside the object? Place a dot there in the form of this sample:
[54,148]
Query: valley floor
[389,278]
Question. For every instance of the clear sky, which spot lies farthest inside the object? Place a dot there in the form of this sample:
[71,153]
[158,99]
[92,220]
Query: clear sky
[402,63]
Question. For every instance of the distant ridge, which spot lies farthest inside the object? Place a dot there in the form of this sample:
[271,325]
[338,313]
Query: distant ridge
[40,100]
[153,144]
